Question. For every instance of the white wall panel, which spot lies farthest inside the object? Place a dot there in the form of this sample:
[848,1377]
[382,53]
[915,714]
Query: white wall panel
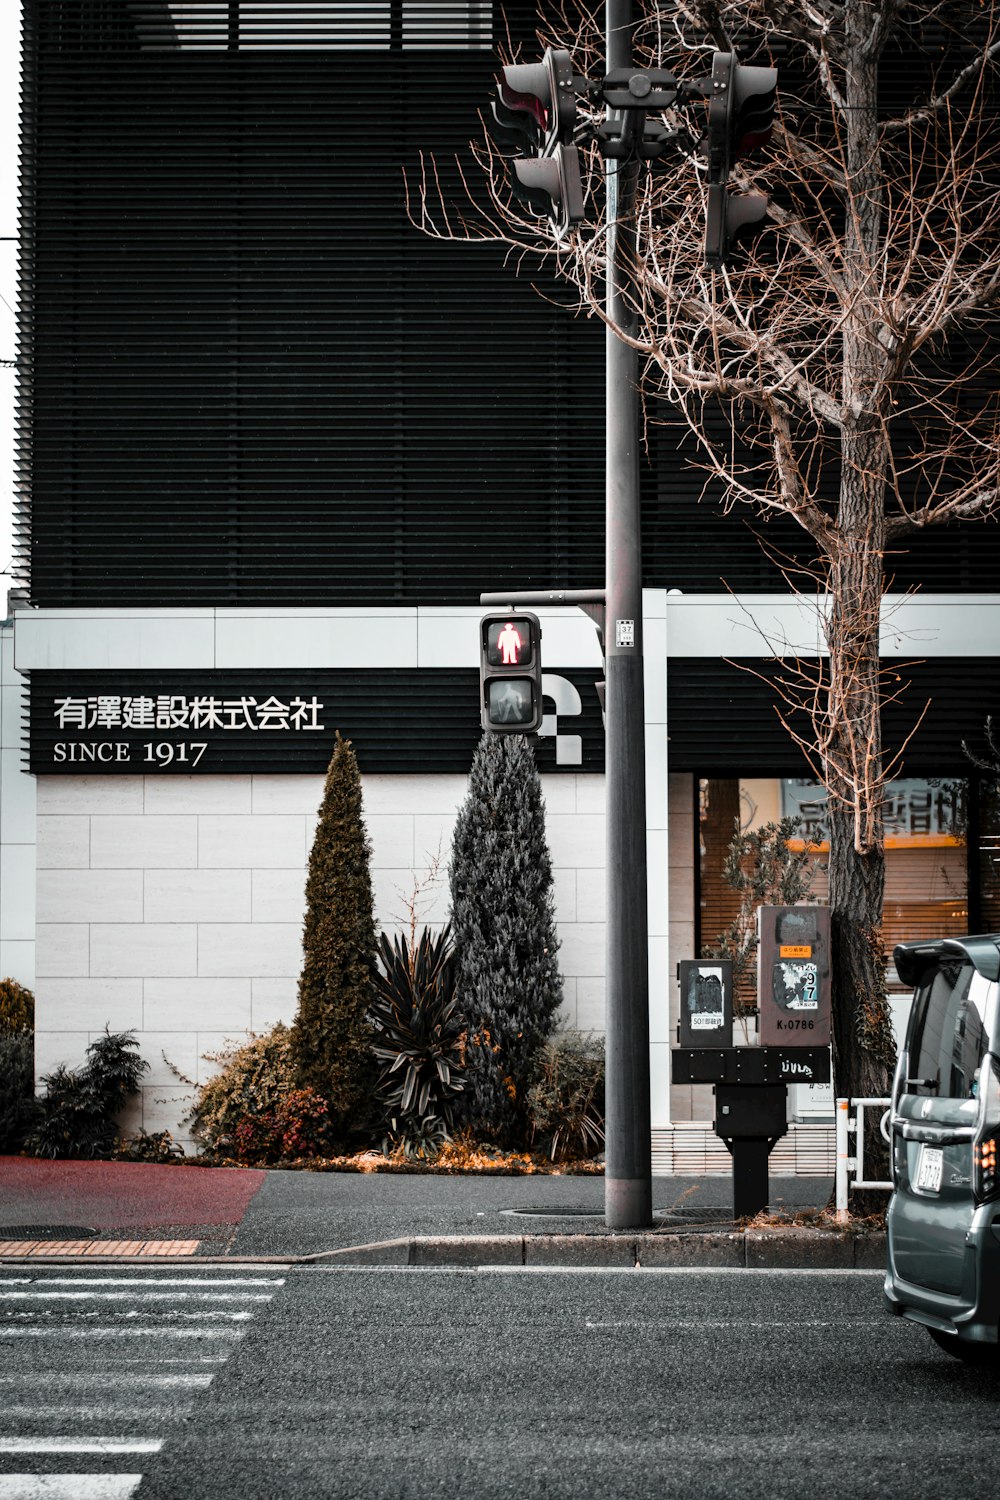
[265,949]
[582,950]
[62,843]
[392,841]
[176,795]
[119,843]
[197,895]
[577,841]
[406,794]
[17,961]
[61,949]
[18,800]
[151,949]
[286,794]
[17,889]
[591,1003]
[273,1000]
[90,896]
[278,896]
[90,794]
[266,843]
[343,639]
[184,1004]
[87,640]
[116,1003]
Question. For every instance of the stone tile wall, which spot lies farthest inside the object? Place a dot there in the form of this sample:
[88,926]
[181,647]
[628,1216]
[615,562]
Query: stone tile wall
[174,906]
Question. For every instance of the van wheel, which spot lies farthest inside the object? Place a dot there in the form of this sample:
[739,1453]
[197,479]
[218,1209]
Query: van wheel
[969,1354]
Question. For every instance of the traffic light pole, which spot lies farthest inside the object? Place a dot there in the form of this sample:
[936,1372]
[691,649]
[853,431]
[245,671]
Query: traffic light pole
[628,1198]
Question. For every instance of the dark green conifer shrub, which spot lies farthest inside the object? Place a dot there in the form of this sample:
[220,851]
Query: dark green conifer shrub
[76,1115]
[332,1033]
[503,921]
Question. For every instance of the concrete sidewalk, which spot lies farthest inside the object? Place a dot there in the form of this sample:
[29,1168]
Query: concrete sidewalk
[125,1211]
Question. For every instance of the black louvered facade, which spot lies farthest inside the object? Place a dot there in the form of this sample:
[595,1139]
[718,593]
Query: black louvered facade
[246,378]
[723,716]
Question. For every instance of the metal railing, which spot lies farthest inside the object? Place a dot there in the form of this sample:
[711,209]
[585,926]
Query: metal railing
[850,1119]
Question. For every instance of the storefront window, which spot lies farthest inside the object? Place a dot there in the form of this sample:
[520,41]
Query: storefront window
[926,861]
[988,857]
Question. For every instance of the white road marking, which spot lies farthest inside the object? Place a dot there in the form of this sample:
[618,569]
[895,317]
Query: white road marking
[104,1412]
[80,1445]
[135,1296]
[58,1380]
[132,1312]
[112,1307]
[115,1333]
[665,1324]
[68,1486]
[158,1281]
[639,1270]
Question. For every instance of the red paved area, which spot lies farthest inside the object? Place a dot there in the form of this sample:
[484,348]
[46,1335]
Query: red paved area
[116,1195]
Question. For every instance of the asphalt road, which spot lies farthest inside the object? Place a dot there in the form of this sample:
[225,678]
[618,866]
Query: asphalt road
[243,1212]
[384,1384]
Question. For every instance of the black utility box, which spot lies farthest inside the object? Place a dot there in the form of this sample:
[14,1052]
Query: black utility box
[750,1065]
[742,1112]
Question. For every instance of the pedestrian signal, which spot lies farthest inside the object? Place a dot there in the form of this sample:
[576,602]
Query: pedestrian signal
[510,673]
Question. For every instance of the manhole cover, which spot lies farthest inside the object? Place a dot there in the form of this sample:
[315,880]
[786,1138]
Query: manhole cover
[46,1232]
[554,1213]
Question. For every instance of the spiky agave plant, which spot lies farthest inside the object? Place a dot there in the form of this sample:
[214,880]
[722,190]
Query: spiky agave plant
[420,1040]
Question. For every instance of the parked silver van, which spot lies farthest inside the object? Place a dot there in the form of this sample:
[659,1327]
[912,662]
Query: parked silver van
[944,1214]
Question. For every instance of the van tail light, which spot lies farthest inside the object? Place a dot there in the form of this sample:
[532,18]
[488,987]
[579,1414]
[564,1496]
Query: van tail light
[984,1147]
[984,1168]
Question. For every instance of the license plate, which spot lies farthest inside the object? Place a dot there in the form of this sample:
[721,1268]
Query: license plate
[929,1169]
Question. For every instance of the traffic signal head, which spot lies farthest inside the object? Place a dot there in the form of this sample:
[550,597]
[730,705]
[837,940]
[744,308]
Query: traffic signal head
[754,97]
[730,216]
[740,112]
[510,673]
[551,185]
[543,93]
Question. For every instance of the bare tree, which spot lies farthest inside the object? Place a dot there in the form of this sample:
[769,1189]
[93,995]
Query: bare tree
[843,374]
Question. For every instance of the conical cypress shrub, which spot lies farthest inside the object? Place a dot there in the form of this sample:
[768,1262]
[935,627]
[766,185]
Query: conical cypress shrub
[503,923]
[332,1036]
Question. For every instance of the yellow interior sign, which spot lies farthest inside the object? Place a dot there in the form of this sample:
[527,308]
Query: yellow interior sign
[795,950]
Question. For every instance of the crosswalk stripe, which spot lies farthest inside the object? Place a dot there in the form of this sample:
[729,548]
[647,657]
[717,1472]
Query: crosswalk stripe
[104,1411]
[148,1279]
[121,1333]
[80,1445]
[56,1380]
[53,1313]
[134,1296]
[68,1486]
[153,1309]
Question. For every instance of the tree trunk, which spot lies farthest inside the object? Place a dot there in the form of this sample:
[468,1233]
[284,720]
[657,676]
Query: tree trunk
[863,1046]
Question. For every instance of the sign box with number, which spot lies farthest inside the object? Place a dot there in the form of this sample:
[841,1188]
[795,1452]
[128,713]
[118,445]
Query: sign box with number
[793,975]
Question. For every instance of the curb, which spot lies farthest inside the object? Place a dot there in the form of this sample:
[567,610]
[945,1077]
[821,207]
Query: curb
[800,1249]
[750,1249]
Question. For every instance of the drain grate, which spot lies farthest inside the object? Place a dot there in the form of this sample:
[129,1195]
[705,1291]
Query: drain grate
[46,1232]
[695,1215]
[554,1213]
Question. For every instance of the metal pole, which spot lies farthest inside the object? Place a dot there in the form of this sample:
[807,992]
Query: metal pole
[628,1197]
[843,1151]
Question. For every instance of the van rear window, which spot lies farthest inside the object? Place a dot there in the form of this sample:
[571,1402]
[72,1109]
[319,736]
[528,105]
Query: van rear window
[949,1037]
